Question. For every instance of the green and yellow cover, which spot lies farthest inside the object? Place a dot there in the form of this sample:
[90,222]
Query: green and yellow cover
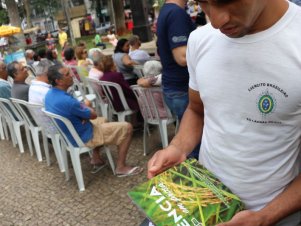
[187,194]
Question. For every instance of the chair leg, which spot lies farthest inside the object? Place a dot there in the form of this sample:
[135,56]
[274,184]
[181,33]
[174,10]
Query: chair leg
[75,158]
[46,148]
[58,152]
[5,124]
[28,138]
[36,142]
[110,158]
[2,128]
[18,137]
[163,133]
[145,133]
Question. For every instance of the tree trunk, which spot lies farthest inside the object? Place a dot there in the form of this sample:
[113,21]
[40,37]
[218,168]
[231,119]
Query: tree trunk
[14,19]
[27,10]
[119,17]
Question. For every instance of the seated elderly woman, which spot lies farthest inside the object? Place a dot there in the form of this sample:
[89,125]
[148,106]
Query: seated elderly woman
[124,63]
[107,66]
[96,71]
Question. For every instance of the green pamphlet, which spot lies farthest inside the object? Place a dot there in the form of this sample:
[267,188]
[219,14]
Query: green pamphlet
[187,194]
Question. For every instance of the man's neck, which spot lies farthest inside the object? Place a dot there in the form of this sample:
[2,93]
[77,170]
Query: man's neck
[177,2]
[271,15]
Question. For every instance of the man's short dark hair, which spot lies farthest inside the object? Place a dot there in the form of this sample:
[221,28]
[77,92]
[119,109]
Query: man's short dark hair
[11,69]
[69,54]
[53,74]
[42,53]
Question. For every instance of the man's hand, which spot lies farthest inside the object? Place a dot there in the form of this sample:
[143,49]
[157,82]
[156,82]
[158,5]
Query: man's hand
[246,218]
[164,159]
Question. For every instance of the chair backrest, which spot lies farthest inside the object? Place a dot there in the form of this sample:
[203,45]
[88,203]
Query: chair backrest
[95,85]
[66,122]
[23,109]
[42,119]
[113,91]
[151,103]
[10,110]
[82,85]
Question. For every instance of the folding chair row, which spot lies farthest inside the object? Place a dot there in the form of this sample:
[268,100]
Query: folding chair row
[38,121]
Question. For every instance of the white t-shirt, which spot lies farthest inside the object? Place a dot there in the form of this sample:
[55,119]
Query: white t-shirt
[37,92]
[250,88]
[140,56]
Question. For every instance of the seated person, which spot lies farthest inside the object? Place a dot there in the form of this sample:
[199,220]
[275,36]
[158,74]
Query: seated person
[112,38]
[70,60]
[29,56]
[40,86]
[81,54]
[111,75]
[96,71]
[5,88]
[123,61]
[137,54]
[152,70]
[51,55]
[94,131]
[19,74]
[98,42]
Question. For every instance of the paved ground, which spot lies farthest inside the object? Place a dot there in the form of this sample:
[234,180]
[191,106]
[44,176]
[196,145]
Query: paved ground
[31,193]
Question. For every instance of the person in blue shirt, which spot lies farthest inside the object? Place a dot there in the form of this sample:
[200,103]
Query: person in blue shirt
[173,28]
[94,131]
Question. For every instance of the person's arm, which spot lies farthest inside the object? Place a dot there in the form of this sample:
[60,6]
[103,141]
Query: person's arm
[187,138]
[89,106]
[144,82]
[179,55]
[286,203]
[127,61]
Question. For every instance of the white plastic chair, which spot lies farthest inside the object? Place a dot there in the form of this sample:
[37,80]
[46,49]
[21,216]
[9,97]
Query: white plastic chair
[76,151]
[102,104]
[3,126]
[82,88]
[21,105]
[109,88]
[149,100]
[15,121]
[49,130]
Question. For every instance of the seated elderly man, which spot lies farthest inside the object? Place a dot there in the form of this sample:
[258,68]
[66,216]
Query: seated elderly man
[5,88]
[40,86]
[29,56]
[94,131]
[137,54]
[19,74]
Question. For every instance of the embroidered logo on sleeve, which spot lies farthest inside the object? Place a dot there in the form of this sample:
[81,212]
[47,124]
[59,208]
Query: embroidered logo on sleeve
[178,39]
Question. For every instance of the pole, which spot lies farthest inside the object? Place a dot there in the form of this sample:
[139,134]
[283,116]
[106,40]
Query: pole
[67,16]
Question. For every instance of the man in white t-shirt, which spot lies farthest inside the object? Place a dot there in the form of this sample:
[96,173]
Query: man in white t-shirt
[40,86]
[245,103]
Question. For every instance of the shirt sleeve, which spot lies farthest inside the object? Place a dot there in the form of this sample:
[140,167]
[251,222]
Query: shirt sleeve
[79,109]
[191,64]
[179,28]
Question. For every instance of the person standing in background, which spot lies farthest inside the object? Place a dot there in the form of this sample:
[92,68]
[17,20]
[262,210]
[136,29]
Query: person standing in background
[173,29]
[62,37]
